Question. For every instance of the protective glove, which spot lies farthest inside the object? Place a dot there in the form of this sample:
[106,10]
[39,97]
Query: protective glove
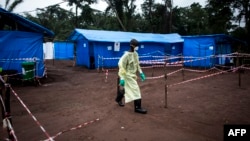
[143,77]
[122,82]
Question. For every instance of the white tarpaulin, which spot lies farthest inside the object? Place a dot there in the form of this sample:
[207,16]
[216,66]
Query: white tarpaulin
[48,50]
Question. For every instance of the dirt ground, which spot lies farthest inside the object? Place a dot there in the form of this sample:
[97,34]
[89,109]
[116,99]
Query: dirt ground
[71,96]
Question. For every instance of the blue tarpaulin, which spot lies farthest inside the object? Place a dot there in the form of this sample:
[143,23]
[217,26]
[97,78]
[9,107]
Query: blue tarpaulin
[120,36]
[21,40]
[64,50]
[8,18]
[17,47]
[202,48]
[93,44]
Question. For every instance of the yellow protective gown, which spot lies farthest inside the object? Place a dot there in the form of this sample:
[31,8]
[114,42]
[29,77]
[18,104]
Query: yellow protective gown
[128,67]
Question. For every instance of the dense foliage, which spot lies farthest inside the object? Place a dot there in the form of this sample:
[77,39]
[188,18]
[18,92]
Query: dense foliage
[216,17]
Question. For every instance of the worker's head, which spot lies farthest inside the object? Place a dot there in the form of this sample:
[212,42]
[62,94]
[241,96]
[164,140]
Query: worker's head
[134,44]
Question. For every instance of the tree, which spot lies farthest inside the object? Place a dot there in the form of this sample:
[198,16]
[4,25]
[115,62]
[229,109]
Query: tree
[10,6]
[243,8]
[80,4]
[104,21]
[167,25]
[180,20]
[156,17]
[124,11]
[197,19]
[117,7]
[190,20]
[148,7]
[220,16]
[59,20]
[129,10]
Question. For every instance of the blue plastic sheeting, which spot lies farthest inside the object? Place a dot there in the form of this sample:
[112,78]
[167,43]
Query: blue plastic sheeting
[93,45]
[203,47]
[17,47]
[64,50]
[221,50]
[119,36]
[24,24]
[198,48]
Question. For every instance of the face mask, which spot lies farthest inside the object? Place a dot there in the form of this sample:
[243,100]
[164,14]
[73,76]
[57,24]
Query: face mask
[136,48]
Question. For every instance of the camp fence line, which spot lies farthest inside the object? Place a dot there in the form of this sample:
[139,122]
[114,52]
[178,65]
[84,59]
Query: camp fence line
[74,128]
[32,116]
[185,59]
[206,76]
[50,138]
[21,59]
[156,64]
[5,105]
[86,123]
[190,80]
[7,122]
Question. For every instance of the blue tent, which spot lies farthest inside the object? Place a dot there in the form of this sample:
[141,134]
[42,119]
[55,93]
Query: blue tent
[92,44]
[201,48]
[21,40]
[64,50]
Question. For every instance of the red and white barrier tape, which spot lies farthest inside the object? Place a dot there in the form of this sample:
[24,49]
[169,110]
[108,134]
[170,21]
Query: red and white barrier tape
[34,118]
[156,77]
[206,76]
[195,79]
[111,58]
[199,70]
[36,78]
[21,59]
[3,105]
[174,71]
[163,61]
[241,54]
[106,74]
[162,76]
[247,68]
[104,70]
[149,67]
[74,128]
[6,123]
[161,66]
[218,69]
[171,63]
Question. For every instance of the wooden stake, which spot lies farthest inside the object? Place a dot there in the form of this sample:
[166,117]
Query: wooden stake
[166,87]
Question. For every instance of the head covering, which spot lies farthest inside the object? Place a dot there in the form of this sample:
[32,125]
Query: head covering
[134,43]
